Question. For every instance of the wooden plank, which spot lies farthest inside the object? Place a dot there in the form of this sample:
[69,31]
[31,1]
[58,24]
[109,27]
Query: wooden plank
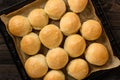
[1,39]
[9,72]
[5,56]
[117,36]
[112,9]
[6,3]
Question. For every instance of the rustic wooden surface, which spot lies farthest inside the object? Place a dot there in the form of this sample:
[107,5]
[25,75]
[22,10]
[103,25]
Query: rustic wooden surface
[8,70]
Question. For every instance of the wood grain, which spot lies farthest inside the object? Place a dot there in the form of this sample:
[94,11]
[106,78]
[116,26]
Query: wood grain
[9,72]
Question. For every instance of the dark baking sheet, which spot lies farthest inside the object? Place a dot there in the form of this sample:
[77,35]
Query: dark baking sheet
[100,13]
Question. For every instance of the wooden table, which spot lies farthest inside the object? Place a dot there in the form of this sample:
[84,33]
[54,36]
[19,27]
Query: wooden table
[8,70]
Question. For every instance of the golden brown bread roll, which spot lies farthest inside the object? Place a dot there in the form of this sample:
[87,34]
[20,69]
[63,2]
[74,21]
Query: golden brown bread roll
[36,66]
[75,45]
[51,36]
[96,54]
[30,44]
[54,75]
[19,25]
[91,30]
[77,5]
[55,8]
[78,69]
[57,58]
[38,18]
[70,23]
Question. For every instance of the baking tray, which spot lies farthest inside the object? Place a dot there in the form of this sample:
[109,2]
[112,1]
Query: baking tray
[10,44]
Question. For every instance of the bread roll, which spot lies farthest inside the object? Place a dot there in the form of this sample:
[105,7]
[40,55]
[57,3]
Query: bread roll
[96,54]
[78,69]
[70,23]
[19,26]
[75,45]
[51,36]
[54,75]
[55,9]
[91,30]
[36,66]
[77,6]
[38,18]
[30,44]
[57,58]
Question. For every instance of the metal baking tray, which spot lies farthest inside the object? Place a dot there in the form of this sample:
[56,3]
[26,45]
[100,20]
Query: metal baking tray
[100,13]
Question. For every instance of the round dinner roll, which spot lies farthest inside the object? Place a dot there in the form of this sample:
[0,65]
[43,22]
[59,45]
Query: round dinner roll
[75,45]
[30,44]
[19,26]
[78,69]
[57,58]
[55,9]
[91,30]
[51,36]
[77,5]
[36,66]
[38,18]
[54,75]
[96,54]
[70,23]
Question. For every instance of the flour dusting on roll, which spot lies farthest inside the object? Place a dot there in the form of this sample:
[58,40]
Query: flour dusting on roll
[38,18]
[97,54]
[51,36]
[19,26]
[78,68]
[57,58]
[54,75]
[55,9]
[70,23]
[75,45]
[77,6]
[30,44]
[36,66]
[91,30]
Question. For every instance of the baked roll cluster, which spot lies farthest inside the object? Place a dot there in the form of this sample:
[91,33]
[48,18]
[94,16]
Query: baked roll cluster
[66,42]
